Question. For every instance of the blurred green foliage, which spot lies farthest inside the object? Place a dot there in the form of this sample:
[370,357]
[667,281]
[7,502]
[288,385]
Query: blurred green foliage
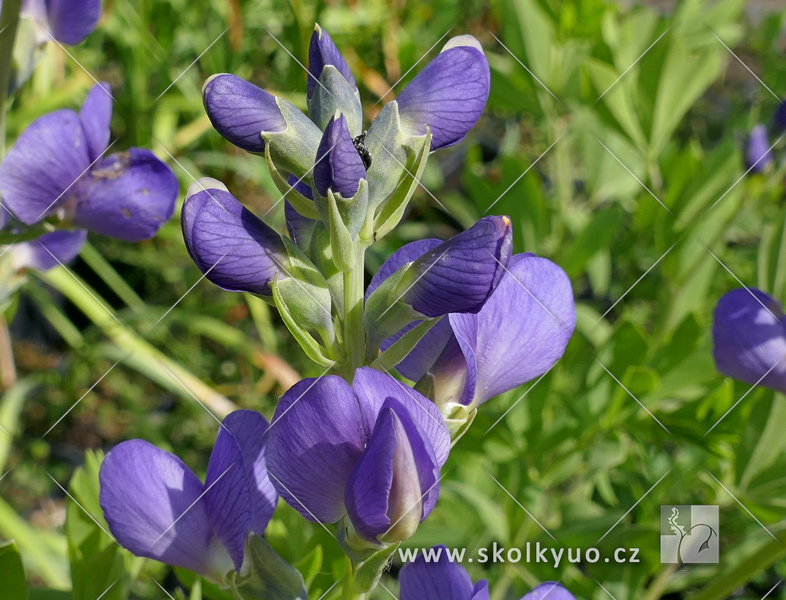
[614,138]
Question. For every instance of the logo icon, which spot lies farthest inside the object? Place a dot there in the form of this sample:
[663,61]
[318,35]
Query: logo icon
[689,534]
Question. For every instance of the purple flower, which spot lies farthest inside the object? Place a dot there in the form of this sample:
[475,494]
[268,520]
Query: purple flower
[236,250]
[322,52]
[300,228]
[56,167]
[47,251]
[749,338]
[372,451]
[68,21]
[517,335]
[448,95]
[779,118]
[338,165]
[443,579]
[457,275]
[156,507]
[759,155]
[240,111]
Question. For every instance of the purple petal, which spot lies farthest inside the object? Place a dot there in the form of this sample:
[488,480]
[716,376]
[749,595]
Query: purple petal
[129,196]
[481,591]
[406,254]
[448,95]
[338,165]
[316,437]
[759,155]
[373,388]
[460,274]
[454,375]
[236,250]
[228,495]
[250,431]
[322,52]
[438,580]
[749,338]
[779,118]
[48,251]
[95,116]
[150,500]
[521,331]
[71,21]
[240,111]
[417,363]
[299,227]
[48,158]
[549,591]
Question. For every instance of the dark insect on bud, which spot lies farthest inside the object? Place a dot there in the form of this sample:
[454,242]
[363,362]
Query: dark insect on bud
[360,146]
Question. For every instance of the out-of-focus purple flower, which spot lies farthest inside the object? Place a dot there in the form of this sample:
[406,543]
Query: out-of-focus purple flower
[749,338]
[518,334]
[156,507]
[448,95]
[57,167]
[779,119]
[338,166]
[67,21]
[321,53]
[458,275]
[240,111]
[234,249]
[439,578]
[758,155]
[47,251]
[372,451]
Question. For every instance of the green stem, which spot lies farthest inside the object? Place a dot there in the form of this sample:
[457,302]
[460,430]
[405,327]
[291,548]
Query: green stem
[9,19]
[7,367]
[354,333]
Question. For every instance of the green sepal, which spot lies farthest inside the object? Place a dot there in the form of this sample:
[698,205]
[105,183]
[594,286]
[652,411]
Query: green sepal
[459,418]
[321,254]
[294,149]
[392,210]
[358,549]
[341,243]
[391,357]
[390,149]
[303,205]
[265,575]
[386,313]
[334,93]
[366,575]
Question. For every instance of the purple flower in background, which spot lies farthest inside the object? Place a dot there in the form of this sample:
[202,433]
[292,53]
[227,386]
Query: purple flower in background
[57,168]
[372,451]
[47,251]
[443,579]
[67,21]
[518,334]
[749,338]
[236,250]
[156,507]
[779,118]
[448,95]
[338,167]
[758,156]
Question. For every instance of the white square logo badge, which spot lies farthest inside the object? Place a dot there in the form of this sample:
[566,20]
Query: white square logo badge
[689,534]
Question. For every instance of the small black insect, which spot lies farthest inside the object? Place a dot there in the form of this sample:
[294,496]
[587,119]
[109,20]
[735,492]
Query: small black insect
[360,146]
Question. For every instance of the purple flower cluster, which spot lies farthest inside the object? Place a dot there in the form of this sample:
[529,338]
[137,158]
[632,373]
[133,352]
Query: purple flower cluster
[57,172]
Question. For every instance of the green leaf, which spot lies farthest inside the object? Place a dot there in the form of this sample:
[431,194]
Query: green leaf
[270,576]
[765,428]
[11,403]
[12,573]
[595,236]
[398,351]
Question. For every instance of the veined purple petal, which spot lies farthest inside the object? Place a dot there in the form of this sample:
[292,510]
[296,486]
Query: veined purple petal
[45,161]
[440,579]
[322,52]
[250,431]
[758,155]
[549,591]
[129,196]
[240,111]
[71,21]
[151,501]
[520,332]
[316,437]
[406,254]
[95,116]
[749,338]
[228,501]
[460,274]
[235,249]
[338,165]
[373,388]
[449,94]
[481,591]
[48,251]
